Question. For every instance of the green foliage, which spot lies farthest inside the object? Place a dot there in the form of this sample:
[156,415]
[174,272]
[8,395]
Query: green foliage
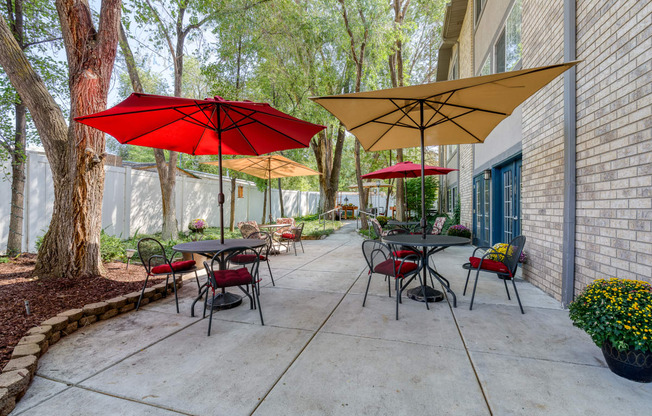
[4,259]
[311,217]
[413,193]
[617,311]
[382,220]
[458,212]
[111,248]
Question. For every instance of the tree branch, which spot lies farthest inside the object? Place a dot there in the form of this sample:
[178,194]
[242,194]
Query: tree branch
[27,45]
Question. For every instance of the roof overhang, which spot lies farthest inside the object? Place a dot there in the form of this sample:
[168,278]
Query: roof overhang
[453,19]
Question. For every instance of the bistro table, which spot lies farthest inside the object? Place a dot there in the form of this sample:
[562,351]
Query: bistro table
[208,248]
[405,225]
[428,246]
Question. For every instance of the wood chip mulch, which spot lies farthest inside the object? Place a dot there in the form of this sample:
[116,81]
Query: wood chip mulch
[51,296]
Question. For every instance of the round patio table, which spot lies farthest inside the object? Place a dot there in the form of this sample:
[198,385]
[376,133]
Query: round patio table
[208,248]
[428,246]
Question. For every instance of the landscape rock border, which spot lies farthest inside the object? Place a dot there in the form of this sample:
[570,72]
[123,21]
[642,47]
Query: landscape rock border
[18,373]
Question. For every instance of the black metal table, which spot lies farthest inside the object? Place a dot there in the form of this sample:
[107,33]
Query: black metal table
[405,225]
[208,248]
[428,246]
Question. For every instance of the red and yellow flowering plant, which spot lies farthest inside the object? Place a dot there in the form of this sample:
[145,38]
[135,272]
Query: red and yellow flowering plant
[618,311]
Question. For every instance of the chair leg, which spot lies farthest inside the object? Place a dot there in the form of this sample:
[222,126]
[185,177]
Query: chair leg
[389,287]
[198,284]
[210,318]
[295,247]
[174,285]
[474,286]
[423,290]
[517,297]
[142,292]
[506,289]
[301,242]
[467,282]
[366,291]
[260,309]
[398,296]
[270,273]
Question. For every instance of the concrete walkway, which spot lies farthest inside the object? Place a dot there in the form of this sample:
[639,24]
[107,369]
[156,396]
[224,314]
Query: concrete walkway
[321,353]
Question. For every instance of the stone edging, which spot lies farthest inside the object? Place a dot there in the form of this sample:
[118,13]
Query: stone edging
[20,370]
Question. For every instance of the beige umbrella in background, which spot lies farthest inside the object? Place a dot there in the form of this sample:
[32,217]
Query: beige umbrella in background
[267,167]
[441,113]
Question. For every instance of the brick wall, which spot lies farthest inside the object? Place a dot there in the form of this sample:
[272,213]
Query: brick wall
[465,185]
[614,141]
[543,148]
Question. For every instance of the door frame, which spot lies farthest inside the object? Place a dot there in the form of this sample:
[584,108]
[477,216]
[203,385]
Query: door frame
[497,216]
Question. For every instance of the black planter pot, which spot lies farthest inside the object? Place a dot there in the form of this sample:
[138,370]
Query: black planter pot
[631,364]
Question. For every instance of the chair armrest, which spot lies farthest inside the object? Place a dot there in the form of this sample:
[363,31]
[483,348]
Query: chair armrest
[480,248]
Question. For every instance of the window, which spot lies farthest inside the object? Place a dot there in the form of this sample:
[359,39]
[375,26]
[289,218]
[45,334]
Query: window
[508,47]
[454,71]
[240,191]
[486,67]
[479,6]
[452,198]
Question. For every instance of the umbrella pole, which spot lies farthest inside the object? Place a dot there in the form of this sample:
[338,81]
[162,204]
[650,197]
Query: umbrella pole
[220,196]
[423,175]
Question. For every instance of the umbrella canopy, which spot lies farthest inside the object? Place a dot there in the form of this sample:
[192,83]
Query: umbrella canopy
[406,170]
[268,167]
[441,113]
[372,185]
[202,127]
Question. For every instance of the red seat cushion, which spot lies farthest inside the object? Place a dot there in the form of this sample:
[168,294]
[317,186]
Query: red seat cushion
[391,268]
[491,265]
[289,236]
[178,266]
[238,277]
[246,258]
[404,253]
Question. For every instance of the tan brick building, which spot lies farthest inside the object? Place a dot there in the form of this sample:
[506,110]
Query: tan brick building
[571,169]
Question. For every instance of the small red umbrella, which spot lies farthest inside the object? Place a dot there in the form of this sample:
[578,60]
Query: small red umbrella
[406,170]
[203,127]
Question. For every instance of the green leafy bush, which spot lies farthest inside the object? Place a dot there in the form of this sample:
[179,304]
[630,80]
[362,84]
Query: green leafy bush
[111,248]
[382,220]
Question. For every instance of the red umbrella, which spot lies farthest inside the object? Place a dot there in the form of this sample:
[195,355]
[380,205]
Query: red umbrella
[203,127]
[406,170]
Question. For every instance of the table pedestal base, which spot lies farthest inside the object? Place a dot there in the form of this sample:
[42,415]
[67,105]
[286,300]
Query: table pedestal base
[432,295]
[224,301]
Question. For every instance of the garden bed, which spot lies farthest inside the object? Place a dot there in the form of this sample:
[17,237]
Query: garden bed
[51,296]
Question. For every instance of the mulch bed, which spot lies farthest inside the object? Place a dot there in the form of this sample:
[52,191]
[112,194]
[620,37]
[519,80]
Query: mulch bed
[51,296]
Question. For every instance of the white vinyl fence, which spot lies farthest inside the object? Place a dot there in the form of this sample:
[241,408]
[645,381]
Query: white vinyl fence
[132,201]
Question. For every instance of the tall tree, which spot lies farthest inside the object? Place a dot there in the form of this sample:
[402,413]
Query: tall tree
[33,26]
[75,152]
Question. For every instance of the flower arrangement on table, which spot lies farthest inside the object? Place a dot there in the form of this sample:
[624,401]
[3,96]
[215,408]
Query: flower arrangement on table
[349,206]
[459,231]
[617,314]
[198,225]
[502,249]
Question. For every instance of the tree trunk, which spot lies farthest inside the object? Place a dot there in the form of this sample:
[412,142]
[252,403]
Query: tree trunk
[400,190]
[280,198]
[18,158]
[361,193]
[329,164]
[232,219]
[71,245]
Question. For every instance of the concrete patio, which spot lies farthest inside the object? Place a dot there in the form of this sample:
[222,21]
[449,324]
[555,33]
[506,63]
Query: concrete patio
[321,353]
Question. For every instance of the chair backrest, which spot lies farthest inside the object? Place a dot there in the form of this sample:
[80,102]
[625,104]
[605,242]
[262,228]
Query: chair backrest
[262,235]
[222,260]
[438,225]
[513,253]
[297,231]
[151,253]
[289,221]
[378,229]
[247,229]
[375,252]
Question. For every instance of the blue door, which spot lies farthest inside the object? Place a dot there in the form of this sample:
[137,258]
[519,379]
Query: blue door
[481,211]
[508,202]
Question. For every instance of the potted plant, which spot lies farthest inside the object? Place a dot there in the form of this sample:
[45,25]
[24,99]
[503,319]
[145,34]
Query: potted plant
[198,225]
[617,314]
[459,231]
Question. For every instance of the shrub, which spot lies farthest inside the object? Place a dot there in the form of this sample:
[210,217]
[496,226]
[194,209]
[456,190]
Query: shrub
[382,220]
[618,311]
[111,248]
[459,231]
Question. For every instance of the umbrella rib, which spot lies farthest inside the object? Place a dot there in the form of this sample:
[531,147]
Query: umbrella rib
[269,127]
[226,114]
[375,119]
[405,114]
[281,115]
[194,149]
[93,116]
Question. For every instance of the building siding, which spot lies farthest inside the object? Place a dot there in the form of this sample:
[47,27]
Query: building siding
[614,141]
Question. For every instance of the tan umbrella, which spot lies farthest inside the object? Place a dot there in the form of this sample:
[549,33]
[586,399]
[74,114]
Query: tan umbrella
[442,113]
[267,167]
